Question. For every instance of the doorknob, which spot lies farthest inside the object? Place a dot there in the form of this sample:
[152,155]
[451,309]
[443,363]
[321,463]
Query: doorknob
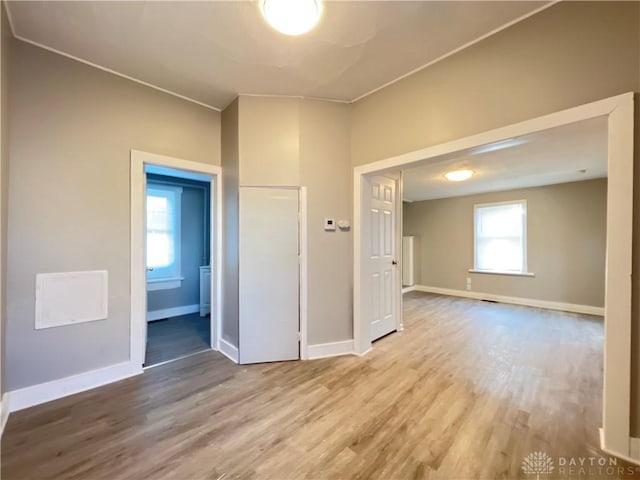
[149,269]
[393,262]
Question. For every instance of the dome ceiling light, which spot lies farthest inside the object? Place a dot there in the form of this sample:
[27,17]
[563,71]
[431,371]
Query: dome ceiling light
[292,17]
[458,175]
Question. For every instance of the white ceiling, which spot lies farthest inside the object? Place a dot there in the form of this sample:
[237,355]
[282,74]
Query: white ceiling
[560,155]
[210,51]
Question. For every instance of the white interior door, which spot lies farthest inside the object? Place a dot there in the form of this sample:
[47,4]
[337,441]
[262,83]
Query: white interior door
[381,260]
[269,274]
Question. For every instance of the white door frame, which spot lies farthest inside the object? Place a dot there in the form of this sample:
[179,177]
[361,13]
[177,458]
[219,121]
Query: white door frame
[615,434]
[138,316]
[304,346]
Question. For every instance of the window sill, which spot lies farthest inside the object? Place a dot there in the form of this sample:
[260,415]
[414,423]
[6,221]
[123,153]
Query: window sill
[497,272]
[164,283]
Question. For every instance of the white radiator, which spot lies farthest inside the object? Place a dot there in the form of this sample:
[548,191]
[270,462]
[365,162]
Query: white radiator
[407,261]
[205,290]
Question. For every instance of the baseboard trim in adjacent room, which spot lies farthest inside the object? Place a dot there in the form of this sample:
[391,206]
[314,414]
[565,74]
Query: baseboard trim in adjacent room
[4,412]
[408,289]
[172,312]
[634,448]
[527,302]
[228,350]
[333,349]
[46,392]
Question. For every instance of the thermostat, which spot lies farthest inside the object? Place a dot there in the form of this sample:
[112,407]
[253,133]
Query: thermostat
[329,225]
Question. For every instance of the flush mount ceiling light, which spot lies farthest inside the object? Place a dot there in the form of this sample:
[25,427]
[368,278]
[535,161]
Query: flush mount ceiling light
[458,175]
[292,17]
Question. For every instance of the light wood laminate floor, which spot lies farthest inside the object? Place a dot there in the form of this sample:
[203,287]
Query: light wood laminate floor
[465,391]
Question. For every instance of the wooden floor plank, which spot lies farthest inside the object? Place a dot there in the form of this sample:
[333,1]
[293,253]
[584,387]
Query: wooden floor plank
[465,391]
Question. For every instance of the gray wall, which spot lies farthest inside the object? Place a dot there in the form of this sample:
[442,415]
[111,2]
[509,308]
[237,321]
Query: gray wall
[324,169]
[72,128]
[556,59]
[191,254]
[269,141]
[5,45]
[566,242]
[230,261]
[570,54]
[290,141]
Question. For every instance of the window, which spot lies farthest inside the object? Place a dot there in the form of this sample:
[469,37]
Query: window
[500,237]
[163,236]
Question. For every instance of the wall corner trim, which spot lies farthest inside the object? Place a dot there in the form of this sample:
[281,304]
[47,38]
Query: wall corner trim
[228,350]
[526,302]
[4,412]
[46,392]
[333,349]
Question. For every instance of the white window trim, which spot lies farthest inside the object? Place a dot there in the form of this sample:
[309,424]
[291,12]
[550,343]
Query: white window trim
[164,283]
[174,280]
[500,272]
[524,272]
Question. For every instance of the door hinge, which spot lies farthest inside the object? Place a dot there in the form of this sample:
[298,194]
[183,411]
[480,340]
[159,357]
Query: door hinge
[299,336]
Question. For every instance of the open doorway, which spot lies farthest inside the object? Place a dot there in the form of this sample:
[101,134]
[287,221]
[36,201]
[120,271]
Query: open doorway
[509,250]
[520,222]
[185,197]
[178,265]
[617,112]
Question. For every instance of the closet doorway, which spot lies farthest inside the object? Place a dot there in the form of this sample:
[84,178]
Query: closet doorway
[175,252]
[178,233]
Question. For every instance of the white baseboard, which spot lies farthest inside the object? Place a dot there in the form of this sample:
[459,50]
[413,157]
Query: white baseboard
[333,349]
[368,350]
[45,392]
[528,302]
[408,289]
[634,449]
[172,312]
[4,412]
[228,350]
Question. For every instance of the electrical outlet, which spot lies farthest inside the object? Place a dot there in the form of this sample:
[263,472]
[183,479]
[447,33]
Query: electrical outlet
[468,283]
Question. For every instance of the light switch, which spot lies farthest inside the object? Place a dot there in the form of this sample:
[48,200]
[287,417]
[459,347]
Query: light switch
[329,225]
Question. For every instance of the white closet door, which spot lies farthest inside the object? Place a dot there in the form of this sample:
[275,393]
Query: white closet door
[269,274]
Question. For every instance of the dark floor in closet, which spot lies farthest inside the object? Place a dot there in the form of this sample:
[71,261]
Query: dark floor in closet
[176,337]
